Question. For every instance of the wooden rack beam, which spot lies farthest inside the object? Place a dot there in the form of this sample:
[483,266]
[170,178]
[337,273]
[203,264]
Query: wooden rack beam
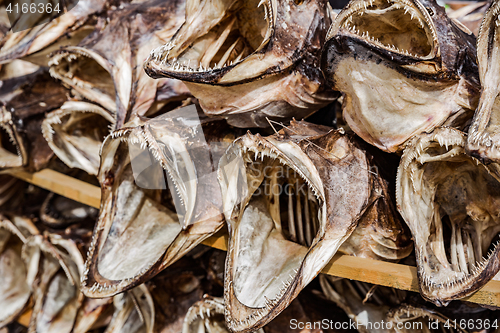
[366,270]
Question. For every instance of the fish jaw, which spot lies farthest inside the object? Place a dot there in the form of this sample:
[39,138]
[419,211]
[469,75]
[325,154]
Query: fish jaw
[448,200]
[139,165]
[224,59]
[272,282]
[371,60]
[68,134]
[484,133]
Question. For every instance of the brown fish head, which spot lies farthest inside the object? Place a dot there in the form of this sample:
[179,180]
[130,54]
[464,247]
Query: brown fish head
[484,133]
[248,60]
[105,67]
[159,171]
[25,99]
[75,133]
[380,233]
[403,68]
[58,211]
[450,202]
[290,193]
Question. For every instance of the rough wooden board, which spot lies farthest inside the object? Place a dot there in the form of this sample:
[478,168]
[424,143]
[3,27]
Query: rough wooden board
[367,270]
[64,185]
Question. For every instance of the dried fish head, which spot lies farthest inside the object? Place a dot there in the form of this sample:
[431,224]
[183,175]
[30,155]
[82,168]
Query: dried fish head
[105,68]
[14,289]
[380,233]
[451,203]
[248,59]
[206,315]
[134,312]
[298,193]
[25,99]
[75,133]
[160,198]
[55,266]
[484,132]
[12,148]
[39,41]
[403,67]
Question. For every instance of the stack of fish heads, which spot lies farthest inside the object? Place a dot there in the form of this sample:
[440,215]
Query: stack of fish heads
[484,134]
[450,202]
[160,198]
[26,94]
[33,41]
[403,68]
[106,67]
[300,192]
[248,60]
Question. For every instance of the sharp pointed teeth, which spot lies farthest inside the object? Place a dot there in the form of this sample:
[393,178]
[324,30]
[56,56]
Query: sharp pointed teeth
[261,3]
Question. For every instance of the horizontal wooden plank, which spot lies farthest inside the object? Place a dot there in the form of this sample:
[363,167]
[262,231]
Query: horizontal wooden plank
[64,185]
[367,270]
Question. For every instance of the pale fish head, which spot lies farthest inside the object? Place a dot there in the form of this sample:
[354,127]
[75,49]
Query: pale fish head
[39,41]
[134,312]
[160,198]
[484,132]
[249,59]
[15,290]
[451,203]
[55,265]
[290,201]
[403,68]
[105,68]
[75,133]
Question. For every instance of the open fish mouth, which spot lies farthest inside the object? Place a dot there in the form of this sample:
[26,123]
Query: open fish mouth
[391,56]
[397,26]
[88,73]
[75,133]
[418,319]
[149,218]
[484,133]
[275,201]
[206,315]
[215,38]
[450,202]
[12,151]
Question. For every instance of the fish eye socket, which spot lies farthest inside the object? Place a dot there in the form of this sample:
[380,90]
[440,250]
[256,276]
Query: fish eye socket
[298,2]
